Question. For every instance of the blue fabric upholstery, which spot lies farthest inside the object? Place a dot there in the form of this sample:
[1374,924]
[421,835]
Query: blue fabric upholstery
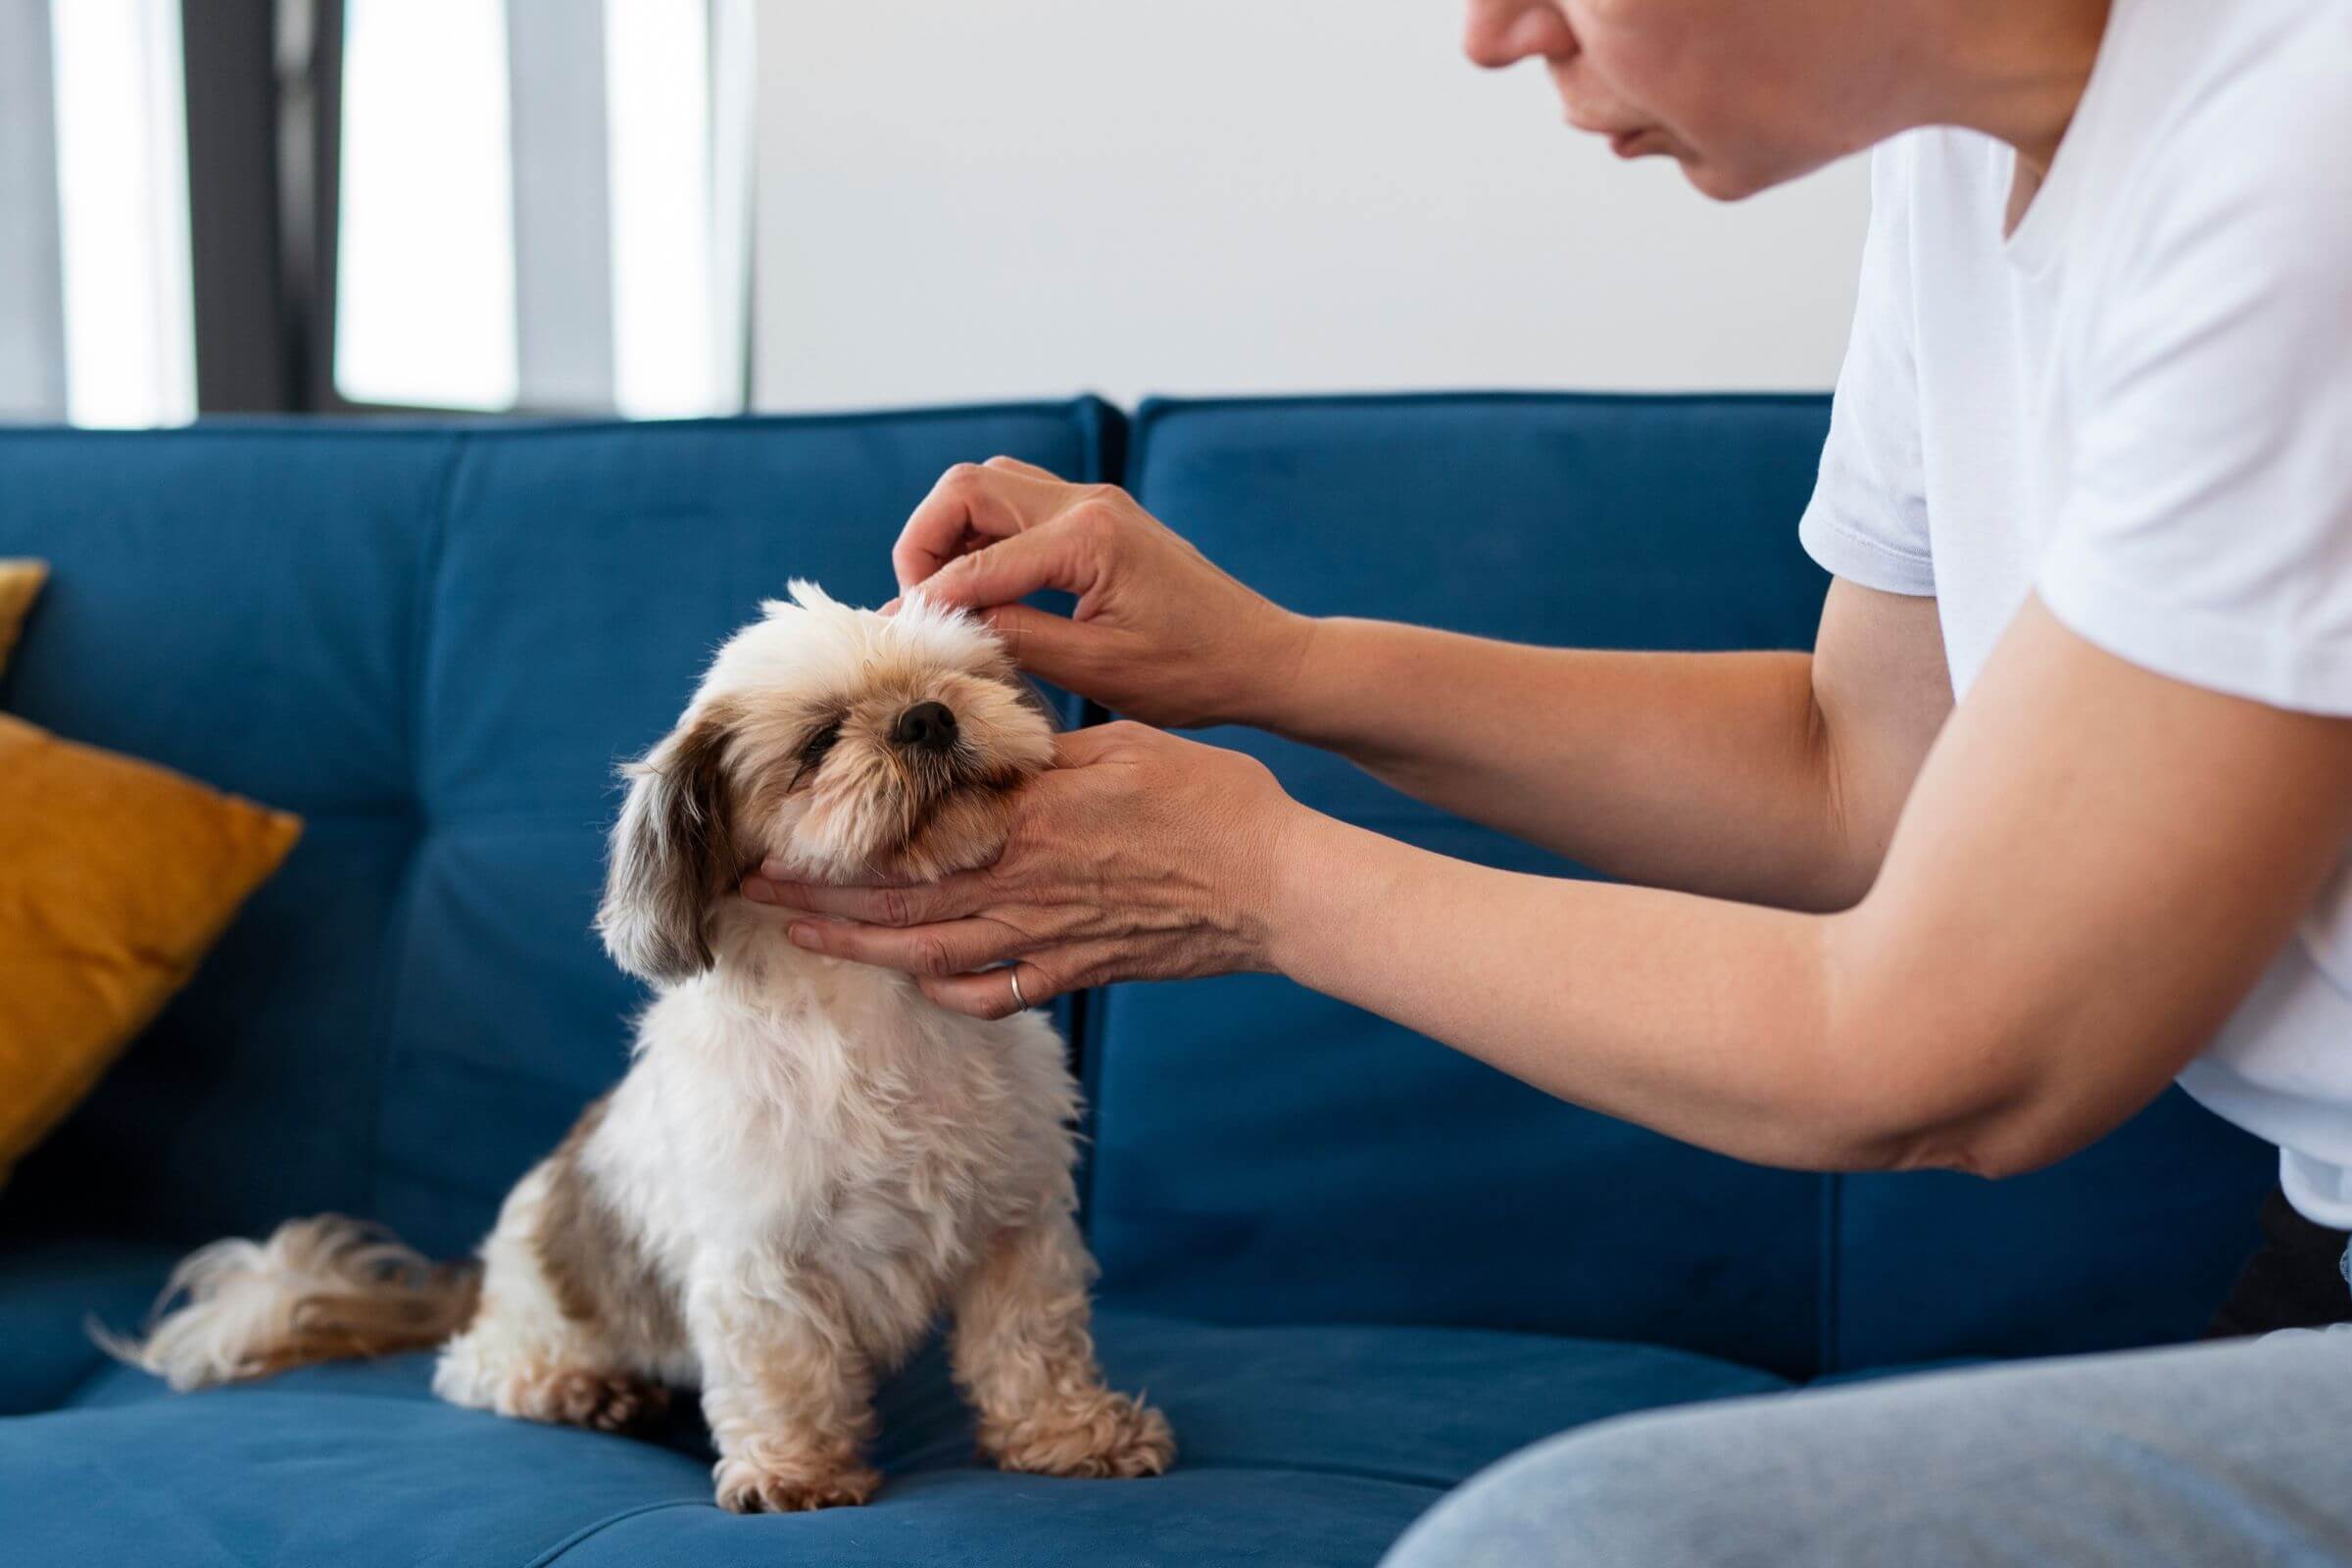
[1302,1446]
[434,644]
[50,1291]
[1263,1153]
[1351,1265]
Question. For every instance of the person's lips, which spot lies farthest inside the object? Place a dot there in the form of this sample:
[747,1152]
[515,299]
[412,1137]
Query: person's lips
[1627,143]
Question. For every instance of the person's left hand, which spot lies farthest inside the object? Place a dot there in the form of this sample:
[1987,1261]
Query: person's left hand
[1139,856]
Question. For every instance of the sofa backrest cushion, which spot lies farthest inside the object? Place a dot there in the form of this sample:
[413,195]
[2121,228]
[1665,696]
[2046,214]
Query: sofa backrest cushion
[1267,1152]
[434,644]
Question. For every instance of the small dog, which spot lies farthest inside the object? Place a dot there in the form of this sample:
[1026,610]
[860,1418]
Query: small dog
[807,1161]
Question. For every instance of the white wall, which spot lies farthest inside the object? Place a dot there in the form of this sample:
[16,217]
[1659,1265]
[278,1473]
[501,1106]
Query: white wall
[966,199]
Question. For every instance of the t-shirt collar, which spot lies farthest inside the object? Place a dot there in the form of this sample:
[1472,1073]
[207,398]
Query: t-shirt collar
[2040,233]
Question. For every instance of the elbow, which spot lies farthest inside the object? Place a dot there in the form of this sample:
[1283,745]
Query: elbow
[1989,1136]
[1914,1079]
[1995,1152]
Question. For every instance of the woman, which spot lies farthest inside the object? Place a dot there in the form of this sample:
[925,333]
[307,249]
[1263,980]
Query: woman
[2060,802]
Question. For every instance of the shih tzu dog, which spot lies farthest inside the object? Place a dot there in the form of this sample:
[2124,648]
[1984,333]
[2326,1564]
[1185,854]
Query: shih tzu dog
[807,1163]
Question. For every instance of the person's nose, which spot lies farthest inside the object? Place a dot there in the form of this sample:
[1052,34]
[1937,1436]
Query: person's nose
[1502,33]
[925,727]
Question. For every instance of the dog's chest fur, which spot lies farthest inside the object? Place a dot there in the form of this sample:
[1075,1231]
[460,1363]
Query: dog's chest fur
[792,1125]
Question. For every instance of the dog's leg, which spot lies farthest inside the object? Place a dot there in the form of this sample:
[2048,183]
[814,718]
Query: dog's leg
[789,1396]
[1024,1358]
[533,1351]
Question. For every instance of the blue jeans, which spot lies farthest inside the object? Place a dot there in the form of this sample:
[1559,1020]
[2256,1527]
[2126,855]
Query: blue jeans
[2226,1452]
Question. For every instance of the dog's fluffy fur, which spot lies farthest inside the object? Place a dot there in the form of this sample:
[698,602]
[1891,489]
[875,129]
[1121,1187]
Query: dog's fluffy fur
[806,1161]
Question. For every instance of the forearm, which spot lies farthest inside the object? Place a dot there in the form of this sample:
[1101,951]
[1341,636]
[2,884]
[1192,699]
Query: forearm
[1706,773]
[2092,871]
[1707,1021]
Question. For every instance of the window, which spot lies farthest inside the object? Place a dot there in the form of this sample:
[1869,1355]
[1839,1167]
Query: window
[425,299]
[96,321]
[530,216]
[536,206]
[658,93]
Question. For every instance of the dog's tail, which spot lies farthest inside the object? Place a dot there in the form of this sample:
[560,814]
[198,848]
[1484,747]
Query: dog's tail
[325,1288]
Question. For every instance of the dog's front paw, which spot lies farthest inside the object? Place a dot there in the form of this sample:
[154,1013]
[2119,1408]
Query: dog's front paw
[1099,1435]
[748,1487]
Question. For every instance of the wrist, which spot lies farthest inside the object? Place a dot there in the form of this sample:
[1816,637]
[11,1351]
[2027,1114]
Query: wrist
[1273,685]
[1300,864]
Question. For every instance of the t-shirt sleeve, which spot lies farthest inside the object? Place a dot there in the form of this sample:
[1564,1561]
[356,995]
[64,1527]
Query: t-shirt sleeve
[2204,530]
[1867,518]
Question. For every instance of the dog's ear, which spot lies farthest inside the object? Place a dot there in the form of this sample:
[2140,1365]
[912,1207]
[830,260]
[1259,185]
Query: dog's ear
[672,854]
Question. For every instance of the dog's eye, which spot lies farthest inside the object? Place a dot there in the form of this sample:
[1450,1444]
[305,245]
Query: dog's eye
[814,748]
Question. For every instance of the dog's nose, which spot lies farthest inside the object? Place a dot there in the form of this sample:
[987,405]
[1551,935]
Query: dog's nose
[926,727]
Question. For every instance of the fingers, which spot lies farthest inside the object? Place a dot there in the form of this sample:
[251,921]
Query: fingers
[1047,556]
[952,947]
[989,993]
[915,904]
[1043,644]
[969,501]
[1078,748]
[1016,466]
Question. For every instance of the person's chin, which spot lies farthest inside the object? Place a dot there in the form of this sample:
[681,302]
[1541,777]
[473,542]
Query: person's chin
[1714,181]
[1737,179]
[1707,177]
[1724,182]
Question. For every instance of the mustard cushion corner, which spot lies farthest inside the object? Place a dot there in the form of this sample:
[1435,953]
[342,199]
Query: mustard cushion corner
[20,584]
[116,878]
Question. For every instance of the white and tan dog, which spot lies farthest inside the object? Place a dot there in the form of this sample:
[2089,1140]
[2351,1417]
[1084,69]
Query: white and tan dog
[808,1160]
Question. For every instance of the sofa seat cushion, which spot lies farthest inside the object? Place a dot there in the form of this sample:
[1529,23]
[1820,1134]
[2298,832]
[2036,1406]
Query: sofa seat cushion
[1299,1446]
[50,1291]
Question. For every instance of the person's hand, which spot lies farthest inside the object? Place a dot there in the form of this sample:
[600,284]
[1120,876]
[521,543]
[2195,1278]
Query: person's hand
[1141,857]
[1160,633]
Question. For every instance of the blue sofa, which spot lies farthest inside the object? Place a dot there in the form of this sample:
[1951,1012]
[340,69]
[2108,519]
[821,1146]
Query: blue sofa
[1353,1266]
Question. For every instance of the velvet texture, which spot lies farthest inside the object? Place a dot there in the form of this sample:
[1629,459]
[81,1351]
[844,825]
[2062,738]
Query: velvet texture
[1352,1266]
[1302,1447]
[115,879]
[1264,1154]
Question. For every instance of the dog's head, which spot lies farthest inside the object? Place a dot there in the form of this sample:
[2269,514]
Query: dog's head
[847,744]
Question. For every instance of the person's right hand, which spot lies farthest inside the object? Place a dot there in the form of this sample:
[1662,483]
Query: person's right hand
[1160,633]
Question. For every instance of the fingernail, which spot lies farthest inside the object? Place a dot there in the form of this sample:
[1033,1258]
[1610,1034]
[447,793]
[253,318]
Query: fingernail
[774,871]
[758,891]
[802,934]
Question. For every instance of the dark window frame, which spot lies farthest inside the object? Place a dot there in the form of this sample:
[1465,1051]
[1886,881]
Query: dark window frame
[264,82]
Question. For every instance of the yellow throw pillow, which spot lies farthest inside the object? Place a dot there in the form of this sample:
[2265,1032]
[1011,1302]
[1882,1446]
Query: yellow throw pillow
[116,878]
[19,580]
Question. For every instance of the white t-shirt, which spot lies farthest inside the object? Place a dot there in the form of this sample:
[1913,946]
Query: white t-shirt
[2140,408]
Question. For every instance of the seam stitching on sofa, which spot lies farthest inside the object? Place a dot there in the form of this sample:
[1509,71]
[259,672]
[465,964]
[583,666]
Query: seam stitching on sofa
[195,1523]
[1342,1472]
[585,1531]
[1110,437]
[1095,1013]
[428,572]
